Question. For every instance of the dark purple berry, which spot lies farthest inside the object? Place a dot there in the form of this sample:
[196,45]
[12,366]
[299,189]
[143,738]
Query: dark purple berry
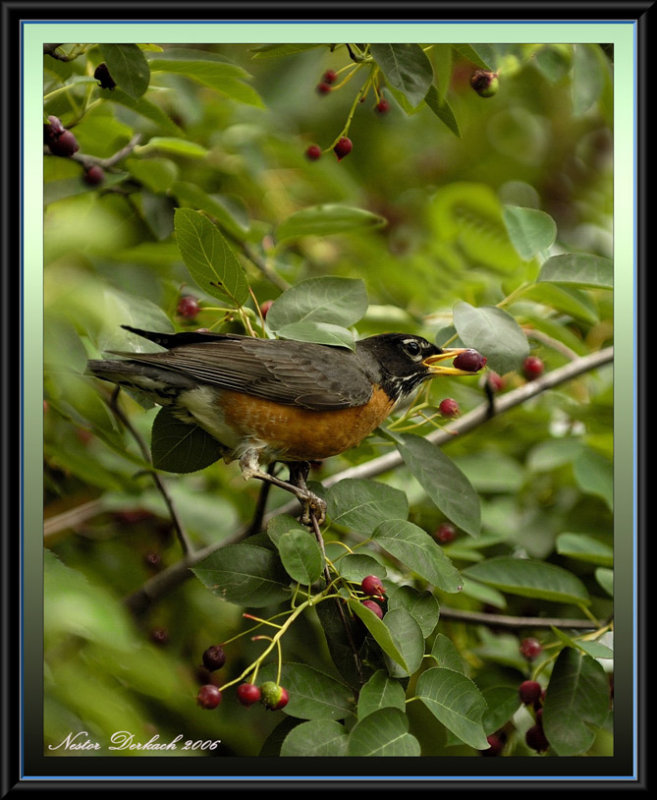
[248,694]
[536,739]
[496,743]
[160,635]
[445,533]
[209,696]
[64,145]
[313,152]
[214,657]
[530,692]
[52,130]
[343,147]
[449,407]
[470,361]
[94,175]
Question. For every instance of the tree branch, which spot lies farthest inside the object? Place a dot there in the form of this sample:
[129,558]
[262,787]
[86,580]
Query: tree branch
[506,621]
[155,588]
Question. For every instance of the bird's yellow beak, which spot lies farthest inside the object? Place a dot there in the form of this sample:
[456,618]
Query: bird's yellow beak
[433,363]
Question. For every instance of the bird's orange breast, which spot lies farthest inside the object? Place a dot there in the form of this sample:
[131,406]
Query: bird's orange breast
[302,434]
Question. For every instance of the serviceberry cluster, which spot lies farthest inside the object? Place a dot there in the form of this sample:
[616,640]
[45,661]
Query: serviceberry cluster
[62,142]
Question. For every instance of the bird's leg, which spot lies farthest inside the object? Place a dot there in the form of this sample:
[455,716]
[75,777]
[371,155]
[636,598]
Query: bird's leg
[250,466]
[313,505]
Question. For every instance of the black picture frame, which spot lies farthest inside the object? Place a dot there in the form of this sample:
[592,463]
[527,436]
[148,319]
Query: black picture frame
[20,766]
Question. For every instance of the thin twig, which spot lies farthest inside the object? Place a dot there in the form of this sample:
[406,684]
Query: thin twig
[70,518]
[507,621]
[157,478]
[110,161]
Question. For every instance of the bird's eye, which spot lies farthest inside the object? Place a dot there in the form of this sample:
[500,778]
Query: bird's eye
[412,347]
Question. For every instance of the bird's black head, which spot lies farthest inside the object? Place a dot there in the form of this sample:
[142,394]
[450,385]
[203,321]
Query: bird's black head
[405,361]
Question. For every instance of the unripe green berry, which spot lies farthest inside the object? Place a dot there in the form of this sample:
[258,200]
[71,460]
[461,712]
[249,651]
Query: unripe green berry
[273,696]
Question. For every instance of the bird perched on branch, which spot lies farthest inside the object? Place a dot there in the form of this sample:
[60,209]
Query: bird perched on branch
[271,400]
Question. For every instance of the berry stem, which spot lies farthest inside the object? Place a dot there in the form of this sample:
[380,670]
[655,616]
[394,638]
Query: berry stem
[362,92]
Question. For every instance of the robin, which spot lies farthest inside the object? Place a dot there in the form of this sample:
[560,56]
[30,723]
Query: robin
[271,400]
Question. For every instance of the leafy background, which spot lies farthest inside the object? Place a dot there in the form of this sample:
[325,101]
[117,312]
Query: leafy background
[485,221]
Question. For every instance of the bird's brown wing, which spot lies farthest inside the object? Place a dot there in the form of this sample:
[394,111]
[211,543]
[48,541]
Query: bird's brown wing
[294,373]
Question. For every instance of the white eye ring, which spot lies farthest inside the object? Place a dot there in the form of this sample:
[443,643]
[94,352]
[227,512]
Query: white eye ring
[413,348]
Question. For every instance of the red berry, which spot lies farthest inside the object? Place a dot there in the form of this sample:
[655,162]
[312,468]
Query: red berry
[343,148]
[372,585]
[449,407]
[530,648]
[383,106]
[153,560]
[94,175]
[264,308]
[445,533]
[330,76]
[214,657]
[188,307]
[374,607]
[535,738]
[248,694]
[323,88]
[530,692]
[160,635]
[314,152]
[532,367]
[470,361]
[64,145]
[496,742]
[208,696]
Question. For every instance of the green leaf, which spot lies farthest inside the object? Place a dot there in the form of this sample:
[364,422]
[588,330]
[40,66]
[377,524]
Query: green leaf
[445,484]
[313,693]
[69,187]
[317,738]
[380,691]
[442,109]
[456,702]
[605,577]
[301,556]
[208,69]
[327,220]
[530,578]
[334,301]
[576,703]
[194,196]
[554,453]
[478,55]
[408,638]
[282,523]
[422,606]
[530,230]
[446,655]
[157,174]
[174,145]
[142,107]
[441,56]
[279,50]
[127,66]
[585,548]
[568,300]
[595,475]
[419,552]
[355,566]
[502,702]
[492,472]
[244,574]
[379,631]
[553,61]
[360,504]
[319,333]
[209,258]
[383,733]
[179,447]
[494,333]
[579,269]
[588,77]
[406,68]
